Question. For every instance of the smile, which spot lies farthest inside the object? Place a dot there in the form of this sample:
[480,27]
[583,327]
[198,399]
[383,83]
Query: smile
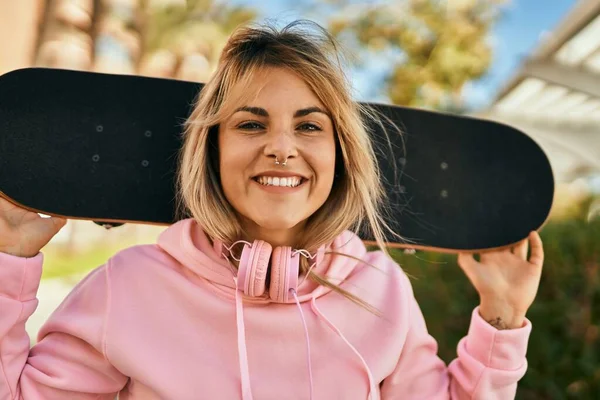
[291,181]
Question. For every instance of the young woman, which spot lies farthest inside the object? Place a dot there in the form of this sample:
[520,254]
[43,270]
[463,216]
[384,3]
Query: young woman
[263,291]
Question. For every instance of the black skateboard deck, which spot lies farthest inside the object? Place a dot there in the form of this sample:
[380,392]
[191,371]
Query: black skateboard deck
[103,148]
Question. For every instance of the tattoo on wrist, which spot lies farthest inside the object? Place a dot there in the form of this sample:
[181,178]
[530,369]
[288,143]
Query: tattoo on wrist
[497,323]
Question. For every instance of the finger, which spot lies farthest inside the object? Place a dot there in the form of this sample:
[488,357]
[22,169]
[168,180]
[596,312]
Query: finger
[57,223]
[51,225]
[467,261]
[537,249]
[486,257]
[496,255]
[520,250]
[4,204]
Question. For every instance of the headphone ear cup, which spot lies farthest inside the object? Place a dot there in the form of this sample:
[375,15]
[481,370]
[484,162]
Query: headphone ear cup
[252,270]
[284,273]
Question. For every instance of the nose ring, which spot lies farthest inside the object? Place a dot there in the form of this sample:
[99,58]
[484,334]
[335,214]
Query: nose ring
[283,163]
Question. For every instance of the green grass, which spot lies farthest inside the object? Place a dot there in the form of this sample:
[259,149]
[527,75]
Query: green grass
[57,264]
[64,261]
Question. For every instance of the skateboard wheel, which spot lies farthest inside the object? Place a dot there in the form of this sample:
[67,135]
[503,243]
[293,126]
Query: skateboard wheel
[444,165]
[108,225]
[145,163]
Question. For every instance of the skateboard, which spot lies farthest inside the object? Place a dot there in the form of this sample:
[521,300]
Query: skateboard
[103,148]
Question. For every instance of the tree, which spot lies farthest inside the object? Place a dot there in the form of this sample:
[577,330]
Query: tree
[168,24]
[187,35]
[442,45]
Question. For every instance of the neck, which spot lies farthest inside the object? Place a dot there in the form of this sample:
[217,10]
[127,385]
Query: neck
[275,237]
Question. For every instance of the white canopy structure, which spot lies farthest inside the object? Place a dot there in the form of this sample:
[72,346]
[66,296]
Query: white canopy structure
[555,95]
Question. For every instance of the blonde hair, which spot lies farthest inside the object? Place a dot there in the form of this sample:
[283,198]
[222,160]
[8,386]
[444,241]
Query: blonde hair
[357,197]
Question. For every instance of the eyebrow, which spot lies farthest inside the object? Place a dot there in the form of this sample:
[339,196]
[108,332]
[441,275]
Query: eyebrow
[299,113]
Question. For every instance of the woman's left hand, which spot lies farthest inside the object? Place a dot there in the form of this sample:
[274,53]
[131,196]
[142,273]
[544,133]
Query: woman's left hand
[506,281]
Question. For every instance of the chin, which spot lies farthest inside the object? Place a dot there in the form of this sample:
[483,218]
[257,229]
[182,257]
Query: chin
[276,222]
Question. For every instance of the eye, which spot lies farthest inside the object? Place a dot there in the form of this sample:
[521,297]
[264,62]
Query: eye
[250,126]
[309,127]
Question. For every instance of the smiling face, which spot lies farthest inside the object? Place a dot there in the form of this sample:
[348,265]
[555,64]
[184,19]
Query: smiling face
[284,120]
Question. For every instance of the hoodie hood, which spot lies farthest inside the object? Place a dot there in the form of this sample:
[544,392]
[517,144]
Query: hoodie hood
[187,242]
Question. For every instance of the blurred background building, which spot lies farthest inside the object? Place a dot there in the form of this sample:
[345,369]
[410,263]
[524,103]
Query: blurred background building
[113,36]
[554,96]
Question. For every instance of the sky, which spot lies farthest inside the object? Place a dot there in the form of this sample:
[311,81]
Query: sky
[513,38]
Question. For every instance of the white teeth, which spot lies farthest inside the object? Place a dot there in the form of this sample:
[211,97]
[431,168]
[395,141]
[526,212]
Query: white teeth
[277,181]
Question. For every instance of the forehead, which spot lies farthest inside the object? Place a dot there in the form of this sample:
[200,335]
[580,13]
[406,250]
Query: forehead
[272,87]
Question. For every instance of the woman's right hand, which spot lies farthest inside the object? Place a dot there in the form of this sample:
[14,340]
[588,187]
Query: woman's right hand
[23,233]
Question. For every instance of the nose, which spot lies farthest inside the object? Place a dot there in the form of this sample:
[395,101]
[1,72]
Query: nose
[281,145]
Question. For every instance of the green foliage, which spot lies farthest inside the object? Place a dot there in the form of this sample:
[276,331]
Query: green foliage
[564,348]
[196,25]
[60,264]
[442,47]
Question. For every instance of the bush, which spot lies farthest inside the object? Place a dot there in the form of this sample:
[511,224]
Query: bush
[564,347]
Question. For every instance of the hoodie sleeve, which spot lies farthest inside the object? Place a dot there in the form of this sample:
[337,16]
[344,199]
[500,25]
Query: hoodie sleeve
[490,362]
[69,361]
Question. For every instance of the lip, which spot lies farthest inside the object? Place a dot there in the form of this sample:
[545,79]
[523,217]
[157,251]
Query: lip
[279,174]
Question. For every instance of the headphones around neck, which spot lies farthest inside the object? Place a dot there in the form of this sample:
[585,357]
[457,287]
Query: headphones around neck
[254,264]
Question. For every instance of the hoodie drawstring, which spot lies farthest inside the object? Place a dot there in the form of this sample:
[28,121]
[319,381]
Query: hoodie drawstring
[242,351]
[243,354]
[374,393]
[308,359]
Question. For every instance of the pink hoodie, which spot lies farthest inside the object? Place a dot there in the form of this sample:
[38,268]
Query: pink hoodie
[161,322]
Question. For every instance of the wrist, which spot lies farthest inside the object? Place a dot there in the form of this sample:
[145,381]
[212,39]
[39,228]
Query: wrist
[13,253]
[18,253]
[501,316]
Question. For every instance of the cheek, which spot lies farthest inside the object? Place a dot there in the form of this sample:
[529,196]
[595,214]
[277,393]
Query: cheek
[329,166]
[232,160]
[323,163]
